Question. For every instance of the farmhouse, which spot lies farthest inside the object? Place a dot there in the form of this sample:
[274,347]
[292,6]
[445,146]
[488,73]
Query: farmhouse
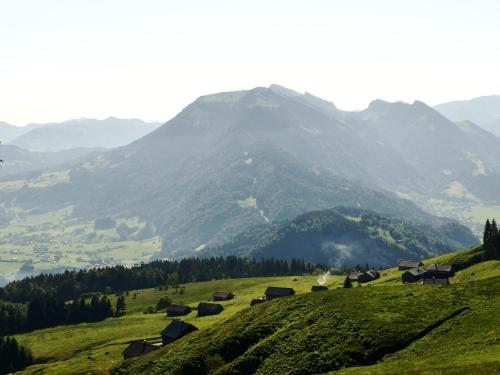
[255,301]
[409,264]
[354,275]
[138,348]
[178,310]
[273,292]
[318,288]
[440,271]
[413,275]
[223,296]
[175,330]
[435,280]
[205,309]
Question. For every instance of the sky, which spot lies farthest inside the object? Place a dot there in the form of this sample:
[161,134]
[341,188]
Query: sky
[148,59]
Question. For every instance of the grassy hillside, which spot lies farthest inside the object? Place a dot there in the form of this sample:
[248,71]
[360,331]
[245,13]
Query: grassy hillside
[317,332]
[66,349]
[382,325]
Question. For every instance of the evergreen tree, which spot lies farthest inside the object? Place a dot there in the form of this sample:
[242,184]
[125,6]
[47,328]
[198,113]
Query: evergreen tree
[494,228]
[120,306]
[487,231]
[347,282]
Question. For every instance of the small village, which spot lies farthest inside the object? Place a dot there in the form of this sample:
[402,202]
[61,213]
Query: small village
[414,272]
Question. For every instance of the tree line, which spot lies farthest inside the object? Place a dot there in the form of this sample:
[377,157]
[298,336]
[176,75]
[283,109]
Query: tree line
[44,312]
[13,357]
[72,284]
[491,240]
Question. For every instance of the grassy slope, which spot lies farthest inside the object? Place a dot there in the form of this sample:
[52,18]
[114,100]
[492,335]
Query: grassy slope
[317,332]
[67,348]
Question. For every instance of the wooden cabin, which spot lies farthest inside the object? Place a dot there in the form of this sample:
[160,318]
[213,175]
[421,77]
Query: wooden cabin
[354,275]
[178,310]
[205,309]
[409,264]
[175,330]
[222,296]
[256,301]
[441,271]
[318,288]
[138,348]
[274,292]
[368,276]
[413,275]
[435,280]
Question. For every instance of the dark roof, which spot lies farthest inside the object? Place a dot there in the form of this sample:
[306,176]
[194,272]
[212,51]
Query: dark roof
[354,275]
[212,307]
[410,263]
[318,288]
[373,274]
[223,294]
[256,301]
[138,348]
[278,291]
[178,308]
[438,268]
[435,280]
[177,328]
[416,271]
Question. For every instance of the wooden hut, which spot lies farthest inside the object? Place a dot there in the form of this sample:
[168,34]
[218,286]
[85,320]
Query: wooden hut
[439,271]
[178,310]
[365,277]
[435,280]
[413,275]
[318,288]
[256,301]
[354,275]
[138,348]
[274,292]
[409,264]
[175,330]
[223,296]
[205,309]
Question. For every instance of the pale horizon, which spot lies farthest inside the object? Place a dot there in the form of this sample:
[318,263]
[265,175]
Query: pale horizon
[149,60]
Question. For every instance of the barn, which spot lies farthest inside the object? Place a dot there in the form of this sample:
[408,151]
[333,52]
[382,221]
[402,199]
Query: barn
[178,310]
[138,348]
[368,276]
[205,309]
[223,296]
[439,271]
[256,301]
[274,292]
[413,275]
[409,264]
[175,330]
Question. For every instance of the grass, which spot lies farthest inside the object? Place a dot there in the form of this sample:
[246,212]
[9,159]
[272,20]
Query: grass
[66,349]
[346,328]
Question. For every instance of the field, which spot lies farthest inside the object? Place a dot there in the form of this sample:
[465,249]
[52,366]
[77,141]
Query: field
[56,241]
[98,346]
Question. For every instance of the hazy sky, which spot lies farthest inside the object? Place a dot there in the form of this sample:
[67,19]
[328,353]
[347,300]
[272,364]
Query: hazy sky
[148,59]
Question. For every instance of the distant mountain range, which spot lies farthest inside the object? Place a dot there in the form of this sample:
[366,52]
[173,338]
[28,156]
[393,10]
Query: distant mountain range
[345,237]
[232,160]
[484,111]
[81,133]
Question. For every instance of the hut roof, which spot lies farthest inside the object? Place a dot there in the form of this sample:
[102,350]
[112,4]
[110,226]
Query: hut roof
[438,268]
[138,348]
[220,294]
[410,264]
[353,276]
[179,309]
[416,271]
[210,307]
[177,328]
[318,288]
[279,291]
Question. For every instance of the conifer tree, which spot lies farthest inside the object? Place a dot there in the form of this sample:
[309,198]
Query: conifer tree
[347,282]
[487,231]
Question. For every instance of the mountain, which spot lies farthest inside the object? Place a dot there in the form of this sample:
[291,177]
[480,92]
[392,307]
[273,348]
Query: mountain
[484,111]
[18,160]
[345,237]
[88,133]
[232,160]
[9,132]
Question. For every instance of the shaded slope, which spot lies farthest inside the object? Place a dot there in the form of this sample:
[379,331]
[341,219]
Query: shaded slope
[344,237]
